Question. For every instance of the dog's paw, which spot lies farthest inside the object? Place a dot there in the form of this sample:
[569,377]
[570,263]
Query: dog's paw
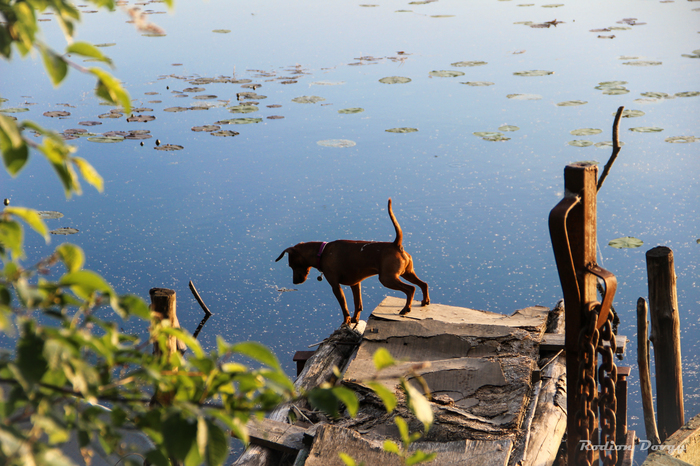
[405,311]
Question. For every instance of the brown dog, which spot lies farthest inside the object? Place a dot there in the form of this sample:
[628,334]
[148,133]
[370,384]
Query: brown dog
[349,262]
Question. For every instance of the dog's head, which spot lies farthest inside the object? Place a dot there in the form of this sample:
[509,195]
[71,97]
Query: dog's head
[300,270]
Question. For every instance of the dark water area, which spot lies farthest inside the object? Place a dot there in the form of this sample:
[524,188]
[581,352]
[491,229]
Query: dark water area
[473,211]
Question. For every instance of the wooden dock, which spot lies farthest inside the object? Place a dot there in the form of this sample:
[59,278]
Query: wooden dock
[498,386]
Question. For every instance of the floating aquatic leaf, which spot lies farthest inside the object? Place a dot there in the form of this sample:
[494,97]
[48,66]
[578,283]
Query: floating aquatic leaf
[616,91]
[642,63]
[106,139]
[89,123]
[533,73]
[351,110]
[526,4]
[524,96]
[496,138]
[605,144]
[656,95]
[308,99]
[553,5]
[487,134]
[401,130]
[328,83]
[508,128]
[49,214]
[610,84]
[687,94]
[682,139]
[243,109]
[626,242]
[141,118]
[225,133]
[221,31]
[630,113]
[572,103]
[56,113]
[620,28]
[64,231]
[395,80]
[695,54]
[250,96]
[460,64]
[169,147]
[478,83]
[75,131]
[176,109]
[647,129]
[586,131]
[204,97]
[206,128]
[442,16]
[239,121]
[141,109]
[336,143]
[446,73]
[580,143]
[526,23]
[194,89]
[111,44]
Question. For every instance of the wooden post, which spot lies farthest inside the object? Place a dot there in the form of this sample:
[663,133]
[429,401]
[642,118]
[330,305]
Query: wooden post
[665,335]
[164,307]
[645,372]
[581,226]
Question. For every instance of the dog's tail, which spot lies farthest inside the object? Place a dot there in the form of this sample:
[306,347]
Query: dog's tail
[399,234]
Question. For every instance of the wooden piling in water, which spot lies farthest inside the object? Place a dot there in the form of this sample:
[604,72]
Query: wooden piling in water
[645,372]
[665,335]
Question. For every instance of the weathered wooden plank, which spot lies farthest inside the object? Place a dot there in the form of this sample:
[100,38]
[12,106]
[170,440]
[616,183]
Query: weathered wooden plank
[681,448]
[530,318]
[332,440]
[277,435]
[555,342]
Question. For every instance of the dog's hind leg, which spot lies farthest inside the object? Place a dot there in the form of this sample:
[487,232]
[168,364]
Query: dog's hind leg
[393,282]
[413,278]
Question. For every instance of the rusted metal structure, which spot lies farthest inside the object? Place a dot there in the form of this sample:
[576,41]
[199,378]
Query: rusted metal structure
[592,411]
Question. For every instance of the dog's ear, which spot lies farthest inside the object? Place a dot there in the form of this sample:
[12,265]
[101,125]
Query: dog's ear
[282,255]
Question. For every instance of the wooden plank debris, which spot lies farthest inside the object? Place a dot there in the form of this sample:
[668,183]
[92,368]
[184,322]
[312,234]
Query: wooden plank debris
[277,435]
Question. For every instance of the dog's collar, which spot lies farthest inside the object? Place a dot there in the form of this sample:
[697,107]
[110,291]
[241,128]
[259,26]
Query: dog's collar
[318,255]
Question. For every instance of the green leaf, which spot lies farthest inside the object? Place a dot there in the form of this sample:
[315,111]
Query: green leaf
[348,398]
[84,283]
[325,400]
[257,352]
[391,447]
[179,436]
[626,242]
[217,445]
[347,459]
[156,458]
[30,358]
[403,430]
[11,237]
[72,256]
[111,90]
[383,359]
[31,217]
[420,457]
[418,405]
[134,306]
[386,395]
[15,152]
[55,65]
[89,173]
[87,50]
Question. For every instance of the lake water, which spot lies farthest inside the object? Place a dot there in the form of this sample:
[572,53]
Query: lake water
[474,212]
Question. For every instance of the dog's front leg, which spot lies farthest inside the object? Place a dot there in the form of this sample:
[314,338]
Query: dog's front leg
[340,296]
[357,297]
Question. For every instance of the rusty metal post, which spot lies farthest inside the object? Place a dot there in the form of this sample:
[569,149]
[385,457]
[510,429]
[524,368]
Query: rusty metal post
[573,229]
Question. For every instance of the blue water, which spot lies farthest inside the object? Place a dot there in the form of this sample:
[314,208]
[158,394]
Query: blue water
[474,212]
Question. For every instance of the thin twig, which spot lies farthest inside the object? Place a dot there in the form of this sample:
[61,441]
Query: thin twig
[199,300]
[616,146]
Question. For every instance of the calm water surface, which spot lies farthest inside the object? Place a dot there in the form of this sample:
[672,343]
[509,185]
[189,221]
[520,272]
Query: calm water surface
[474,212]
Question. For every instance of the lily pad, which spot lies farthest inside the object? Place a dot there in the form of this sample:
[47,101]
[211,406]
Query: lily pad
[687,94]
[401,130]
[194,89]
[56,113]
[646,129]
[508,128]
[49,214]
[239,121]
[524,96]
[206,128]
[243,109]
[89,123]
[586,131]
[395,80]
[14,110]
[533,73]
[486,134]
[656,95]
[328,83]
[643,63]
[351,110]
[461,64]
[64,231]
[250,96]
[631,113]
[221,31]
[572,103]
[610,84]
[176,109]
[616,91]
[496,138]
[141,118]
[169,147]
[553,5]
[682,139]
[605,144]
[308,99]
[275,117]
[204,97]
[446,74]
[336,143]
[106,139]
[478,83]
[580,143]
[225,133]
[626,242]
